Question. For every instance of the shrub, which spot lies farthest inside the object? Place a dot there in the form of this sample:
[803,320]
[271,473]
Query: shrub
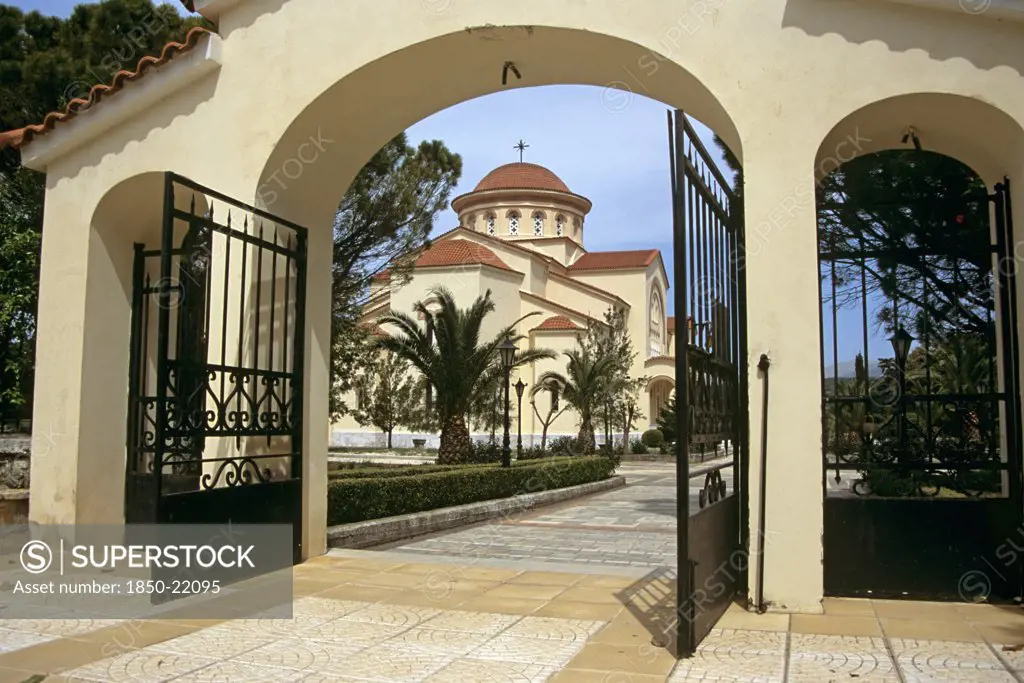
[562,445]
[354,499]
[485,452]
[653,438]
[637,446]
[534,453]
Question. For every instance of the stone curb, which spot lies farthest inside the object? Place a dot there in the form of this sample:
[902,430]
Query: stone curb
[388,529]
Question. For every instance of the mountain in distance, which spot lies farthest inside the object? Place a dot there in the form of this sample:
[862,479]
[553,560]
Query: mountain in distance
[847,371]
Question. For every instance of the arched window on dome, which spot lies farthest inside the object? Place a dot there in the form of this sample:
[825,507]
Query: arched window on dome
[576,225]
[656,325]
[559,225]
[538,224]
[513,223]
[471,221]
[490,224]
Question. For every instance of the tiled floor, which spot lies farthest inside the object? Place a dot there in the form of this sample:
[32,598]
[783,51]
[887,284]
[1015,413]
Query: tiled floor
[361,617]
[630,526]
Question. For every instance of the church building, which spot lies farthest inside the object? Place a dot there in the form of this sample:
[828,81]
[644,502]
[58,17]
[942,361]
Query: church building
[521,235]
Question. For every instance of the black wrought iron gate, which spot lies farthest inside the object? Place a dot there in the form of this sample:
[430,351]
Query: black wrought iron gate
[215,409]
[711,367]
[922,448]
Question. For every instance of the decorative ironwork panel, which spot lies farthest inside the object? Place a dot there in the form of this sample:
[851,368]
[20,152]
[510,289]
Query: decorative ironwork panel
[926,408]
[217,352]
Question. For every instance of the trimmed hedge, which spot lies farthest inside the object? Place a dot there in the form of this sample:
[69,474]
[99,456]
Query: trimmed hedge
[355,499]
[414,470]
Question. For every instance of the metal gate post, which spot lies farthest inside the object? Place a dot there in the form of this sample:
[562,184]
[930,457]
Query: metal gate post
[683,618]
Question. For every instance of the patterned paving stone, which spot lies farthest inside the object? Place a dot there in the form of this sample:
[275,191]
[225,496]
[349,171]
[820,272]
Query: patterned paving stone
[815,658]
[16,640]
[230,671]
[433,641]
[632,526]
[475,622]
[475,670]
[931,660]
[392,615]
[549,628]
[547,652]
[140,666]
[383,663]
[301,654]
[217,642]
[735,641]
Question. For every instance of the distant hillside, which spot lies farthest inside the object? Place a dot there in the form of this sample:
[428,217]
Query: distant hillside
[847,370]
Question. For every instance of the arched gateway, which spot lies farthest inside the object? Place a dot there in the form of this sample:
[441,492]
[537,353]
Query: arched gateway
[280,108]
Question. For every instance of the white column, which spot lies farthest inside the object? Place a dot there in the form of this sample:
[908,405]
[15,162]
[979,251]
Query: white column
[81,386]
[783,321]
[316,388]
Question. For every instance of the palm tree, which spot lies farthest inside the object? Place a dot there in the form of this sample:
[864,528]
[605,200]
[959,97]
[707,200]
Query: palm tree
[454,362]
[586,375]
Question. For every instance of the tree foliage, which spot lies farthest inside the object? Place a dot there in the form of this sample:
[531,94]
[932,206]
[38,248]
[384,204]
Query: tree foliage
[45,62]
[923,219]
[617,398]
[389,394]
[455,359]
[386,214]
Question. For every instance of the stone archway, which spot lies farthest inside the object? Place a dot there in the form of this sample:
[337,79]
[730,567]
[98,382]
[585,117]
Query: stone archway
[272,111]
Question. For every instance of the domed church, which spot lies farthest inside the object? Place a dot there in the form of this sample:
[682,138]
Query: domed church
[521,235]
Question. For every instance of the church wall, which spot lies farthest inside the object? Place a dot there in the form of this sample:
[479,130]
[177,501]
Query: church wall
[562,290]
[567,423]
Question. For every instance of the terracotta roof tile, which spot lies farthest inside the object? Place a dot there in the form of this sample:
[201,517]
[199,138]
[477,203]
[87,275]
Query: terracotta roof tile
[457,253]
[521,176]
[610,260]
[558,322]
[671,324]
[22,136]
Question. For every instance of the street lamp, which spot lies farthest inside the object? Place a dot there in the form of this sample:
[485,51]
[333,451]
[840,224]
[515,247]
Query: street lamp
[901,342]
[520,385]
[507,351]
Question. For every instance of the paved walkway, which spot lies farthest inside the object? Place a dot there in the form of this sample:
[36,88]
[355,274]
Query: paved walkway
[358,617]
[631,526]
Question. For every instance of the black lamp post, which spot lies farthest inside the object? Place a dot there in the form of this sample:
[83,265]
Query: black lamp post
[520,385]
[508,353]
[901,342]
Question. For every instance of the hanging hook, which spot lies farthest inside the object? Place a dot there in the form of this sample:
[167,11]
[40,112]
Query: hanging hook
[504,72]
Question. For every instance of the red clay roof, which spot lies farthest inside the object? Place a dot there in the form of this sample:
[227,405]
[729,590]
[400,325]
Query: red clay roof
[521,176]
[458,253]
[558,322]
[671,324]
[22,136]
[610,260]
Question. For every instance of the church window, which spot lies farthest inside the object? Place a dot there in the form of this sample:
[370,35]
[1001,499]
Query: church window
[538,224]
[471,221]
[513,223]
[560,225]
[490,224]
[657,316]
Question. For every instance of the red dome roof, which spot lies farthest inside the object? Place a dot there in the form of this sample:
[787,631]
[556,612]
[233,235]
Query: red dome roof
[521,176]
